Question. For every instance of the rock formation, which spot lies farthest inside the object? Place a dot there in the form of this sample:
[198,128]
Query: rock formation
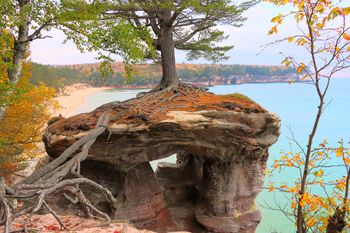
[221,144]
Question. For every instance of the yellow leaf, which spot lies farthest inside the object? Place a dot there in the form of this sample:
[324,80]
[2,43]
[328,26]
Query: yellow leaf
[301,5]
[310,222]
[273,30]
[301,41]
[320,8]
[277,19]
[319,25]
[293,190]
[304,77]
[339,152]
[346,10]
[320,173]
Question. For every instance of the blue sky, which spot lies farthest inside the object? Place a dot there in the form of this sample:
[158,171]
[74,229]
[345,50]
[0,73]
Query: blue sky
[247,40]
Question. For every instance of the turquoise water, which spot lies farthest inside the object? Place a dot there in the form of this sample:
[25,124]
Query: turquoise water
[296,105]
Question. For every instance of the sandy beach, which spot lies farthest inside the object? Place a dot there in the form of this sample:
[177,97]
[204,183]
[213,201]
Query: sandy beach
[74,99]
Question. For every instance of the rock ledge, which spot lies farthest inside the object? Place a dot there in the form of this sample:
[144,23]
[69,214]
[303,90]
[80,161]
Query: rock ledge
[221,143]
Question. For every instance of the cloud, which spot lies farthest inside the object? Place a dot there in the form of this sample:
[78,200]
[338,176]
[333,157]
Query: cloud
[53,51]
[247,40]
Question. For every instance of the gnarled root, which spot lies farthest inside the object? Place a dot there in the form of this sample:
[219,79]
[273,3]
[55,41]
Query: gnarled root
[148,104]
[53,178]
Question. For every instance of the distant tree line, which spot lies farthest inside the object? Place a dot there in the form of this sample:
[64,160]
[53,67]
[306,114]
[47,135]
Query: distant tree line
[55,77]
[60,76]
[227,71]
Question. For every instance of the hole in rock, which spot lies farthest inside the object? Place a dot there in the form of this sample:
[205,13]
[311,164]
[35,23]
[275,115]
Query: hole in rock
[171,159]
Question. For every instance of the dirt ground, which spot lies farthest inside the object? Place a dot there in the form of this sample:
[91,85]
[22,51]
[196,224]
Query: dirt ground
[47,223]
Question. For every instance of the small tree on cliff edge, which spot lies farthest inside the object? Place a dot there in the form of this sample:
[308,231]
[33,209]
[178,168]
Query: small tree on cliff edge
[324,34]
[161,26]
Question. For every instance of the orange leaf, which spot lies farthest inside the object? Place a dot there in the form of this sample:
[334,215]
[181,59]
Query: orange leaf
[19,225]
[347,161]
[51,228]
[301,68]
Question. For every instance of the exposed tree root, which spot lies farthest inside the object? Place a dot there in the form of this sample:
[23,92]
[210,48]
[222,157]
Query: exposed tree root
[150,103]
[53,178]
[5,213]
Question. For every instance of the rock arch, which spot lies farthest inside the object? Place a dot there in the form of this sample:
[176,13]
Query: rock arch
[222,152]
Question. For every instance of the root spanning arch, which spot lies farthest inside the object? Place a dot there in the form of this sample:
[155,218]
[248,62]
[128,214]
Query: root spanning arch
[52,178]
[63,176]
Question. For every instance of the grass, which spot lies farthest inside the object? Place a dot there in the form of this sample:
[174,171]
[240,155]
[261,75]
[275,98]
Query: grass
[240,96]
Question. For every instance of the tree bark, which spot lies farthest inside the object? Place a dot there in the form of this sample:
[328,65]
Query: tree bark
[20,48]
[167,49]
[20,44]
[336,223]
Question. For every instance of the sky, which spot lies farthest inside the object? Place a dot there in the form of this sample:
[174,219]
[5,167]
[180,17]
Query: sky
[248,41]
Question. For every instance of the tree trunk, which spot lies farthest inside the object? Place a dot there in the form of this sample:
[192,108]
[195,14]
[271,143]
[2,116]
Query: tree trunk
[15,72]
[167,50]
[20,48]
[336,223]
[20,44]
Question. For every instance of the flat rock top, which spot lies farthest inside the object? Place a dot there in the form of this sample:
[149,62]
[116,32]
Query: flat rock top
[154,107]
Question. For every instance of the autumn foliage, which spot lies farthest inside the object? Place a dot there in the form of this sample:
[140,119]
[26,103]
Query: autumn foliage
[28,109]
[318,201]
[324,33]
[325,193]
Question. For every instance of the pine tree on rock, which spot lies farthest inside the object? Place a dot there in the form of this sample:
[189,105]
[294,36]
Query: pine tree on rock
[160,27]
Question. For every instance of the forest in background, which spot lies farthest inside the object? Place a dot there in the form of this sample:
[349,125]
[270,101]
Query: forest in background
[147,74]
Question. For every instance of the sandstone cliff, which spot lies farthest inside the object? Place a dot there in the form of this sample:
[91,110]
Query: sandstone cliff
[221,144]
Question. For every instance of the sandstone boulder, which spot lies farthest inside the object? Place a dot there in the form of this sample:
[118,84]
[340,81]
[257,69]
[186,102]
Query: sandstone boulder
[222,147]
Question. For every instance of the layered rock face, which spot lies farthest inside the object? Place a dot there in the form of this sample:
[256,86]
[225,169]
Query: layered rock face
[221,143]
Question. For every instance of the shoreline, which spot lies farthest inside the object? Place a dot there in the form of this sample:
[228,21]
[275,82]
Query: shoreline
[76,97]
[69,103]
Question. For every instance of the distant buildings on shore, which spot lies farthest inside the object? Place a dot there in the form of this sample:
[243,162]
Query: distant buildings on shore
[236,79]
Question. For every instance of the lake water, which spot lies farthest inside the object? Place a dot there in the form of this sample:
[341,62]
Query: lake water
[295,104]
